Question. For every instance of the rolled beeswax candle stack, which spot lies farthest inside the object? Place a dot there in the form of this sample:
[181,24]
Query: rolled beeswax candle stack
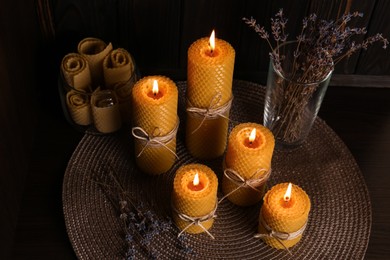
[75,70]
[284,216]
[194,200]
[155,115]
[209,85]
[95,50]
[249,159]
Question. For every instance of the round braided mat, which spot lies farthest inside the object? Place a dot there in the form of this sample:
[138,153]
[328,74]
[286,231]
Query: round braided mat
[339,222]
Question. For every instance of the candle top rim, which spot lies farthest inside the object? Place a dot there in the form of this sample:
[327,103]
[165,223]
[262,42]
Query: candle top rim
[206,176]
[144,86]
[199,50]
[301,202]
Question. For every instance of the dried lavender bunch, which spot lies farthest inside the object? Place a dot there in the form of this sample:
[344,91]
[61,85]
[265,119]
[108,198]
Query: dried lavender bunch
[140,223]
[319,47]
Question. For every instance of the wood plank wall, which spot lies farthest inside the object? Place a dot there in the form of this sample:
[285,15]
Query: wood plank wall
[18,42]
[159,32]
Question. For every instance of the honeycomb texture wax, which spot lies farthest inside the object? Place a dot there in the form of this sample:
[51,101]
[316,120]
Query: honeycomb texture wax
[209,84]
[284,218]
[157,117]
[194,203]
[248,161]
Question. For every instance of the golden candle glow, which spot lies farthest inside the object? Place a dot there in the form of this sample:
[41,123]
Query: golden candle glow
[287,195]
[212,42]
[155,93]
[196,180]
[155,87]
[196,185]
[252,135]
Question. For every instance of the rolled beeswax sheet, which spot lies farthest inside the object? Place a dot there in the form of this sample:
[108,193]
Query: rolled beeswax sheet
[105,111]
[95,50]
[79,107]
[338,227]
[117,67]
[75,70]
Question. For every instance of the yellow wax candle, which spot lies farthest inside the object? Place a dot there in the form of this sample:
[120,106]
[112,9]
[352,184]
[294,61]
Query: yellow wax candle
[209,85]
[156,113]
[194,199]
[251,159]
[284,213]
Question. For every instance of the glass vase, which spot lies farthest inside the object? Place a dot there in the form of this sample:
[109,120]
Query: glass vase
[291,106]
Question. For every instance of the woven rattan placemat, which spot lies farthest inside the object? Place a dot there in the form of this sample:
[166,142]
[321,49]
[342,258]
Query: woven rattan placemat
[339,223]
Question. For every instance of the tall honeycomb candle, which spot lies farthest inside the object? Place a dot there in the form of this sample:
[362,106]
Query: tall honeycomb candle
[209,86]
[194,198]
[284,213]
[250,158]
[154,100]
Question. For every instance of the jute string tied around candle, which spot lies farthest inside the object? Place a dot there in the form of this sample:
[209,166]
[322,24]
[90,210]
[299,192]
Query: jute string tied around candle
[279,236]
[196,220]
[154,139]
[252,183]
[212,111]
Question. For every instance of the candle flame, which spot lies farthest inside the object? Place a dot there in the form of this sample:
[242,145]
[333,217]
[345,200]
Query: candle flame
[252,135]
[196,180]
[287,195]
[155,87]
[212,41]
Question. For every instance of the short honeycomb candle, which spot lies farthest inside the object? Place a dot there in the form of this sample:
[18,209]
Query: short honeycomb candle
[250,157]
[284,213]
[195,195]
[154,101]
[209,85]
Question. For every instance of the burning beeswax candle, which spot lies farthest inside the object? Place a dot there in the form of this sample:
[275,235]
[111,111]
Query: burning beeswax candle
[209,87]
[156,122]
[285,211]
[249,155]
[194,195]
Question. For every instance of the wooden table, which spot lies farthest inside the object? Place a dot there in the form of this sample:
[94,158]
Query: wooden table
[360,116]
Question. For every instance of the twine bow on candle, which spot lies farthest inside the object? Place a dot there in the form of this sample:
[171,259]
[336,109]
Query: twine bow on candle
[212,111]
[237,179]
[196,220]
[155,140]
[279,236]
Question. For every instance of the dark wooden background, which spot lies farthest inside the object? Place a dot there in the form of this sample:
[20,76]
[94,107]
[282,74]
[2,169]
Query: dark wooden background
[158,33]
[35,35]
